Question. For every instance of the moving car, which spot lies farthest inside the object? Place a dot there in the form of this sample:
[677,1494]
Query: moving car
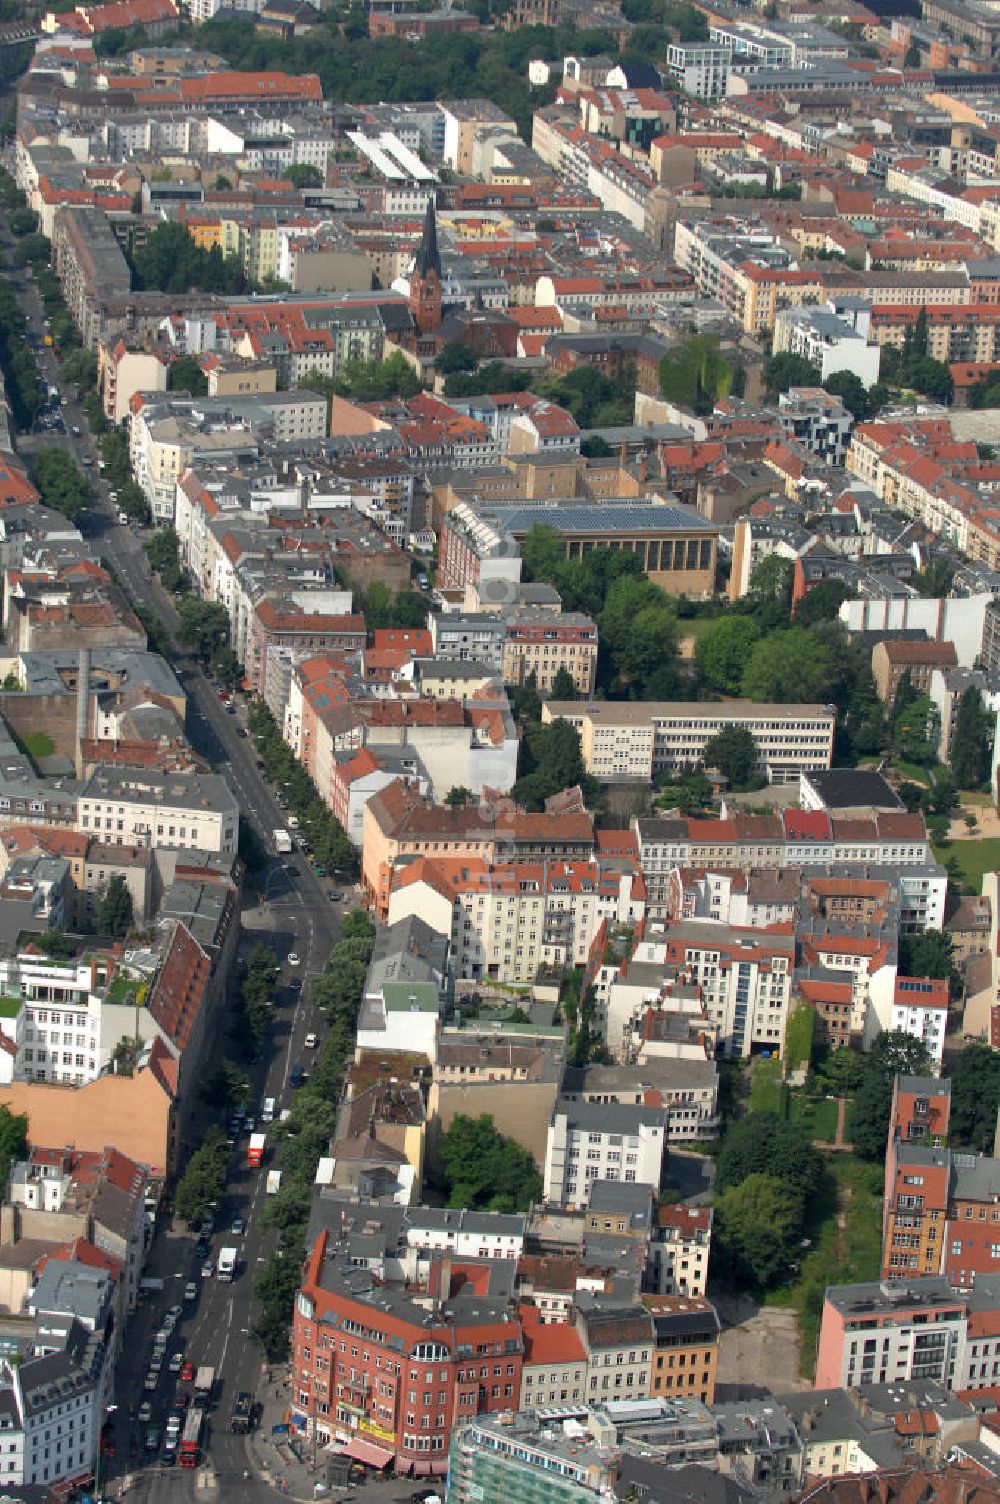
[311,1041]
[238,1228]
[207,1269]
[187,1373]
[294,959]
[190,1290]
[153,1439]
[145,1413]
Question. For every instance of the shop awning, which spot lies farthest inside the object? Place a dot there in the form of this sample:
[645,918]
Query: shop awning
[366,1452]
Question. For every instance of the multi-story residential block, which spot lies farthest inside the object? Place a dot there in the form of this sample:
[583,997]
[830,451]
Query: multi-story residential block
[834,338]
[819,423]
[894,657]
[619,1340]
[679,1249]
[144,807]
[685,1346]
[540,642]
[590,1141]
[522,1455]
[554,1371]
[638,739]
[919,1007]
[506,921]
[398,1390]
[700,68]
[891,1333]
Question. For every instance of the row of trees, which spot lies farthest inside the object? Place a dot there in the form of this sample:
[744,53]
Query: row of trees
[61,484]
[17,361]
[257,993]
[200,1188]
[330,846]
[303,1137]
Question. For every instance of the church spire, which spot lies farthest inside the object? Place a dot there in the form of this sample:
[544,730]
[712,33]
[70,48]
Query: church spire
[428,256]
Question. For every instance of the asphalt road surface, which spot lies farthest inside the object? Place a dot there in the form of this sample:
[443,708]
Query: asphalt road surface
[295,915]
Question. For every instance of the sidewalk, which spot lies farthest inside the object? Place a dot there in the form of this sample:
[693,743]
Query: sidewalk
[272,1456]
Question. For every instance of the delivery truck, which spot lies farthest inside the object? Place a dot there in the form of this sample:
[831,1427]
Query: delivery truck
[273,1182]
[255,1150]
[282,842]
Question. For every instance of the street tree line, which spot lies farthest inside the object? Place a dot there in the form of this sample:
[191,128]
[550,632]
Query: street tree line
[331,848]
[299,1142]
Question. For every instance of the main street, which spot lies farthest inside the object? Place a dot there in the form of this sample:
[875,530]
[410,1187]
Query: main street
[290,911]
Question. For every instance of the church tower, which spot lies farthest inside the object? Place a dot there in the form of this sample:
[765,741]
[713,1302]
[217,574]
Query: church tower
[425,279]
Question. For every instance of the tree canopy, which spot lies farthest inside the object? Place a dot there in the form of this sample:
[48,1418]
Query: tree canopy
[170,261]
[60,483]
[721,652]
[484,1170]
[735,753]
[971,756]
[762,1143]
[893,1053]
[114,914]
[975,1097]
[758,1228]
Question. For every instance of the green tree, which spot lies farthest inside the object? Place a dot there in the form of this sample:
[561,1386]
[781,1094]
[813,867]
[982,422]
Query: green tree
[163,553]
[13,1140]
[114,914]
[203,1181]
[894,1053]
[31,248]
[975,1097]
[735,753]
[55,944]
[927,953]
[456,356]
[79,369]
[914,724]
[551,761]
[911,58]
[762,1143]
[852,392]
[170,261]
[304,175]
[457,797]
[785,370]
[60,483]
[481,1169]
[972,741]
[758,1228]
[721,652]
[204,626]
[936,578]
[770,597]
[694,374]
[186,375]
[563,685]
[822,603]
[22,222]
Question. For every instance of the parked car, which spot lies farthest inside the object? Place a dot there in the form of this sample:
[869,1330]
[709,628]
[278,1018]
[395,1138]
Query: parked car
[207,1269]
[176,1360]
[153,1439]
[190,1291]
[145,1413]
[151,1381]
[187,1373]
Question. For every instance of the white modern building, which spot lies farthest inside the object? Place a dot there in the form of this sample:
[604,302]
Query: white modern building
[834,338]
[601,1141]
[700,68]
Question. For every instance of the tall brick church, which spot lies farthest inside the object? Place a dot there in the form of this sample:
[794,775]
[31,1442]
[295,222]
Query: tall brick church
[425,279]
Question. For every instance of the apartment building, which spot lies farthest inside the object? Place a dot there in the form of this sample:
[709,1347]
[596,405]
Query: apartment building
[892,1332]
[833,337]
[679,1250]
[145,807]
[508,920]
[597,1141]
[619,1340]
[554,1371]
[892,658]
[638,739]
[919,1007]
[540,642]
[91,269]
[398,823]
[745,978]
[685,1346]
[369,1364]
[746,267]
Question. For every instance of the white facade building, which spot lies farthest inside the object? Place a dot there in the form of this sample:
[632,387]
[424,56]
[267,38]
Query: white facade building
[600,1141]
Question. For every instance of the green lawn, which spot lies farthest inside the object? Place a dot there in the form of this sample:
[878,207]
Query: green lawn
[841,1254]
[10,1007]
[38,744]
[765,1086]
[972,858]
[817,1115]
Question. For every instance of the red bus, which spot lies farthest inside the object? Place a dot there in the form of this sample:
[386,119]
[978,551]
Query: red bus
[190,1437]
